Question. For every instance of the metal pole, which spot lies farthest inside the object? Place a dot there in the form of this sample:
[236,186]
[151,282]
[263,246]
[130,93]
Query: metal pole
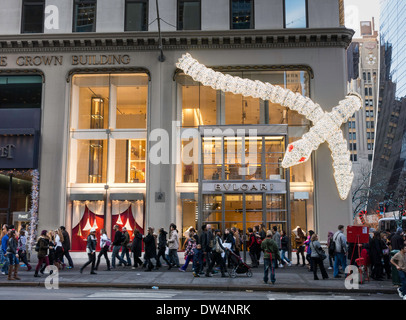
[161,57]
[10,190]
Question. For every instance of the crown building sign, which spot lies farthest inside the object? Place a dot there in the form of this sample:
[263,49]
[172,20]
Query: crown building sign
[75,60]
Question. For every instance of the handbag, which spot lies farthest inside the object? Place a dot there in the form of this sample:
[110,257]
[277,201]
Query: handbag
[320,252]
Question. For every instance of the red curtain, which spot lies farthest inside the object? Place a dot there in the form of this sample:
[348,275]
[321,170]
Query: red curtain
[79,236]
[122,219]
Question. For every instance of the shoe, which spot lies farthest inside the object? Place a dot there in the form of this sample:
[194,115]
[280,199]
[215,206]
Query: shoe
[337,277]
[36,275]
[133,268]
[181,270]
[404,297]
[325,278]
[281,266]
[400,293]
[316,278]
[29,268]
[195,275]
[329,268]
[93,272]
[265,282]
[81,270]
[289,264]
[147,270]
[223,275]
[208,275]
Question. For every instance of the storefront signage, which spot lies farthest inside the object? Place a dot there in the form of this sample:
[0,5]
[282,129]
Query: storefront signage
[7,151]
[244,187]
[76,60]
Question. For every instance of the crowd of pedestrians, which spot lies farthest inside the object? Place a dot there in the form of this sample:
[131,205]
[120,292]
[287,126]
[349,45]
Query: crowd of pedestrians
[210,248]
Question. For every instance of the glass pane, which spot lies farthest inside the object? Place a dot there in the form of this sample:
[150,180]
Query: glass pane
[132,95]
[233,150]
[274,144]
[211,202]
[189,15]
[199,105]
[4,188]
[253,150]
[20,91]
[212,216]
[212,151]
[189,159]
[85,17]
[211,172]
[274,171]
[295,14]
[241,110]
[130,161]
[33,18]
[91,94]
[233,171]
[276,216]
[136,16]
[276,201]
[189,214]
[91,156]
[241,14]
[253,202]
[254,171]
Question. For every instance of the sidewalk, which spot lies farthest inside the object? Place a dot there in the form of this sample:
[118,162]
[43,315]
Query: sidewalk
[288,279]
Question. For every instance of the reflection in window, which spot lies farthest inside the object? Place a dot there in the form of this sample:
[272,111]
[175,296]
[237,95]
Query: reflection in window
[242,14]
[295,13]
[188,14]
[136,15]
[84,16]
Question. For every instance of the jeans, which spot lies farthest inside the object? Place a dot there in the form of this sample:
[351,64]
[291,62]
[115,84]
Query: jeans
[173,257]
[402,277]
[67,255]
[40,262]
[126,252]
[187,260]
[12,259]
[6,263]
[283,256]
[339,258]
[269,266]
[116,250]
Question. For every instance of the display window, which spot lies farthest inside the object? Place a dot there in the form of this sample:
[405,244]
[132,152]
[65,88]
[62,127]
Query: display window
[128,214]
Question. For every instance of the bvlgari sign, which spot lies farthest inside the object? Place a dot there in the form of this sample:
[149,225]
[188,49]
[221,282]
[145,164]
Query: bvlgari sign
[244,187]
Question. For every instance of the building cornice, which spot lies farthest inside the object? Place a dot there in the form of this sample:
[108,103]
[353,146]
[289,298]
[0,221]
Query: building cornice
[177,40]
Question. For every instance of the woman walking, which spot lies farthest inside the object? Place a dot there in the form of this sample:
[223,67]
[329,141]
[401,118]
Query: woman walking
[316,256]
[284,248]
[330,249]
[190,249]
[91,251]
[300,246]
[22,249]
[105,243]
[150,249]
[162,249]
[12,256]
[136,248]
[58,248]
[43,247]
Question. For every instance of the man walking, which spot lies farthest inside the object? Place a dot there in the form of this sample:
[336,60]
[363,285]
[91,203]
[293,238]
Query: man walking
[118,239]
[66,247]
[341,250]
[399,261]
[271,256]
[124,246]
[276,236]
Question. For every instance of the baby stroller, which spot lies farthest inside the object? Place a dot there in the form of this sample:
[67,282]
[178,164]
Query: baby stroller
[239,266]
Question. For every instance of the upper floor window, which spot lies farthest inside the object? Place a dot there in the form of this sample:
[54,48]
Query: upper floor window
[189,15]
[32,20]
[84,16]
[295,14]
[136,15]
[242,14]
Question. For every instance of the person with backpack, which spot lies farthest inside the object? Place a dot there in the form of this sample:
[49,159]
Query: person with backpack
[42,247]
[217,251]
[340,250]
[271,256]
[105,244]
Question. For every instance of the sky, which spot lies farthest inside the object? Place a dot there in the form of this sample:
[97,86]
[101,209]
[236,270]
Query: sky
[360,10]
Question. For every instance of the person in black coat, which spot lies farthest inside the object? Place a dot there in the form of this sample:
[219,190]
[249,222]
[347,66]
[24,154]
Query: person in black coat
[91,251]
[162,248]
[136,248]
[150,249]
[376,247]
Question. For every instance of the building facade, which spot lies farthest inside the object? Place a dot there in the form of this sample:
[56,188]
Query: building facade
[119,122]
